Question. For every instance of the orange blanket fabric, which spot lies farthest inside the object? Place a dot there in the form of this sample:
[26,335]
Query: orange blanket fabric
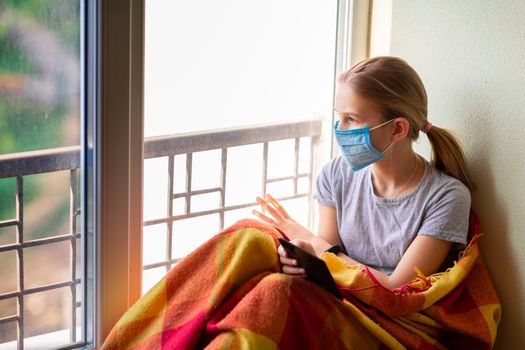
[229,294]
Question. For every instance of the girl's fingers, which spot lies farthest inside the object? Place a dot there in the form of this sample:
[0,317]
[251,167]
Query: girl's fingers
[269,208]
[278,206]
[282,252]
[289,265]
[289,270]
[264,217]
[288,261]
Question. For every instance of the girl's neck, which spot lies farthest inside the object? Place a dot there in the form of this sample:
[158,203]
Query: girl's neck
[398,173]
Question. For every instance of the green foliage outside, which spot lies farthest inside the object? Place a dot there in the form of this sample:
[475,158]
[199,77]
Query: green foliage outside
[39,109]
[25,125]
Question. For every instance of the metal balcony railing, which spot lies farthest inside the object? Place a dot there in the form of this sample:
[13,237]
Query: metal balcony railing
[18,165]
[187,144]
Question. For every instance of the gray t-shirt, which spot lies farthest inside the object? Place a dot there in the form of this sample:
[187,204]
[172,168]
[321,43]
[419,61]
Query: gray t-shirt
[377,231]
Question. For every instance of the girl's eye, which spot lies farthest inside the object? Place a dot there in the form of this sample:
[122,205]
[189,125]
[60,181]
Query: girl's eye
[348,118]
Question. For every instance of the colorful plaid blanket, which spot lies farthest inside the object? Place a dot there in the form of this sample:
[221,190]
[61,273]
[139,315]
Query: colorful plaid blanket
[229,294]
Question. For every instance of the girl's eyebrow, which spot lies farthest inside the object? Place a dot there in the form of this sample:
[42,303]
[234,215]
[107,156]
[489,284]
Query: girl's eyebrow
[349,112]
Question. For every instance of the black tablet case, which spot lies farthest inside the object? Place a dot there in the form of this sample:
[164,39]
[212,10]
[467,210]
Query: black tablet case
[315,268]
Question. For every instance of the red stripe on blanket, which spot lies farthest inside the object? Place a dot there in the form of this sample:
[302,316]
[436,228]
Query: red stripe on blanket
[186,336]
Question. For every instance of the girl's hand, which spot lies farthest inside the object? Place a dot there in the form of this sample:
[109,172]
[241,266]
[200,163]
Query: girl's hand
[289,265]
[281,219]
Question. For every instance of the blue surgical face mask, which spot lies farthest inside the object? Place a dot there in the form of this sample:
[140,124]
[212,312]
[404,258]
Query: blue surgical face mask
[356,146]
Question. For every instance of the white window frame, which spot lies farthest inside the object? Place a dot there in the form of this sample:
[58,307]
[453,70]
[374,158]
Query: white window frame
[118,188]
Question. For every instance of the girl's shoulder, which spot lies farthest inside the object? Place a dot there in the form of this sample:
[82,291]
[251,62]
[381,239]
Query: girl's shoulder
[441,184]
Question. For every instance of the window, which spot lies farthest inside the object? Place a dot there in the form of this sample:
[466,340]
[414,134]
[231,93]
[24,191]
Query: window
[45,249]
[216,71]
[236,94]
[123,147]
[96,165]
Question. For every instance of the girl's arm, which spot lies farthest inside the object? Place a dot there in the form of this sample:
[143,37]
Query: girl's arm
[425,252]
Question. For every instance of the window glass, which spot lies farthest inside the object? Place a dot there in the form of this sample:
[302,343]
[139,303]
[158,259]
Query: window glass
[40,100]
[223,66]
[219,64]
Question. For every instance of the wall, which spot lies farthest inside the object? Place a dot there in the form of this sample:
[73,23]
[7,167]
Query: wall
[471,56]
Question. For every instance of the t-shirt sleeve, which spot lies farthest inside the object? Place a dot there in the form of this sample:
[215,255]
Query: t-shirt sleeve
[447,217]
[324,187]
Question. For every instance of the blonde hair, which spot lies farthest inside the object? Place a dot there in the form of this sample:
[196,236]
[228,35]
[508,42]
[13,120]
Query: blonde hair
[398,91]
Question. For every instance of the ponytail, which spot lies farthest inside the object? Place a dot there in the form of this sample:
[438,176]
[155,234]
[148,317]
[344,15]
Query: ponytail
[447,155]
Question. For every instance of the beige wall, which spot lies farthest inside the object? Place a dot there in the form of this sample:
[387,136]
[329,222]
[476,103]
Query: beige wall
[471,56]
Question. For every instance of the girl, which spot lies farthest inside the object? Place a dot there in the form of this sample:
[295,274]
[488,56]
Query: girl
[381,204]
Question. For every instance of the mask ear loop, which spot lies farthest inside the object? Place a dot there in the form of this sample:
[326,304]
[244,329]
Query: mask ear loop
[388,147]
[380,125]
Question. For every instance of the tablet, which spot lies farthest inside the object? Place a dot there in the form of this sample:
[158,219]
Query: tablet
[315,268]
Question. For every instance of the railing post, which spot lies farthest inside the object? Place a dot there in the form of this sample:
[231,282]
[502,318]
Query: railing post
[20,251]
[73,257]
[224,166]
[189,166]
[264,171]
[169,231]
[296,164]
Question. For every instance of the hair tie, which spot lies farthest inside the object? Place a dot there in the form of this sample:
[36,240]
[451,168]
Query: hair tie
[427,127]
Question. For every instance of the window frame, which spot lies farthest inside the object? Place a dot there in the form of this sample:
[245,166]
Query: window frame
[118,51]
[89,134]
[115,87]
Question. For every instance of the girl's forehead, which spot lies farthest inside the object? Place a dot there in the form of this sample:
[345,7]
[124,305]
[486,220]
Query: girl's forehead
[347,98]
[355,107]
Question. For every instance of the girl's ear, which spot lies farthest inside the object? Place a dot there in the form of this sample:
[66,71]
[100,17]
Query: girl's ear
[401,128]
